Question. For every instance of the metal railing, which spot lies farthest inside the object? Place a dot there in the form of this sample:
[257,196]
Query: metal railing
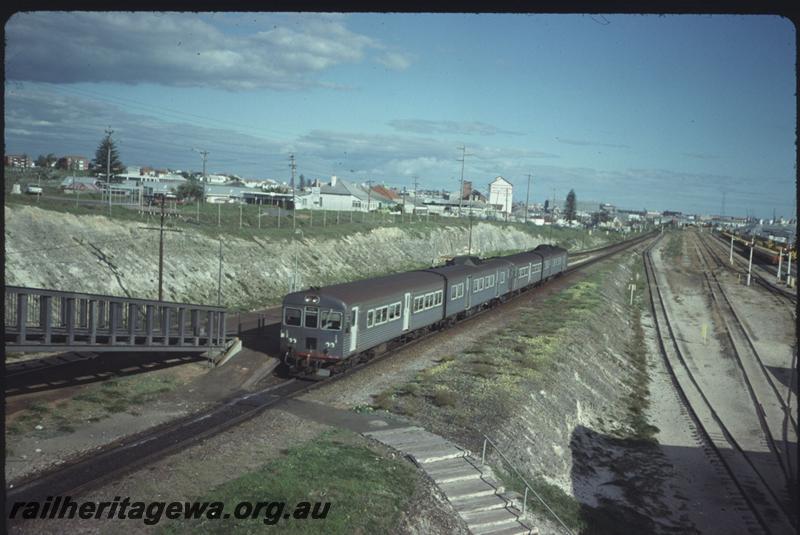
[51,320]
[528,486]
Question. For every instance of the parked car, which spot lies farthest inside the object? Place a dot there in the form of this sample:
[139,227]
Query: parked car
[34,189]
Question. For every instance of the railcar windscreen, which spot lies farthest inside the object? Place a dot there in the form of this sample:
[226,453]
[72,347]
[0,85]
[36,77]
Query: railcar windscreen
[330,320]
[292,316]
[312,315]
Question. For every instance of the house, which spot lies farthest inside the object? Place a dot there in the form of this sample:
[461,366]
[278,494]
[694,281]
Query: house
[339,195]
[73,163]
[18,160]
[80,183]
[501,194]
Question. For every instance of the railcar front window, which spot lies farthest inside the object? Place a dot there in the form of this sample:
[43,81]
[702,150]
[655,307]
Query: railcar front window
[292,316]
[330,320]
[312,317]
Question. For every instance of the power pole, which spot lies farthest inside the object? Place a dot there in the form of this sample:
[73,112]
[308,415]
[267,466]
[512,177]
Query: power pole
[294,199]
[527,197]
[219,275]
[414,208]
[204,154]
[461,191]
[161,230]
[108,168]
[369,195]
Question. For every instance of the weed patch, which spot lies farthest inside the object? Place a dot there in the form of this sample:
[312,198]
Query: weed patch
[367,492]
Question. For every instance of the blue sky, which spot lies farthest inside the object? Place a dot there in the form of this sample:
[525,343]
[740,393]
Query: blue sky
[645,111]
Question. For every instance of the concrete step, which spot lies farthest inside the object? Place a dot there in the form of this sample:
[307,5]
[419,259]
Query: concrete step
[431,455]
[412,441]
[446,464]
[492,517]
[457,473]
[517,528]
[480,503]
[458,491]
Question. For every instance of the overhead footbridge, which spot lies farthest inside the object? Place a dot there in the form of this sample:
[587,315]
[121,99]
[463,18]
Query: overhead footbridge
[40,320]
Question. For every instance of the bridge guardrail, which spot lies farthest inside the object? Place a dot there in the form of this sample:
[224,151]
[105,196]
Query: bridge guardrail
[52,320]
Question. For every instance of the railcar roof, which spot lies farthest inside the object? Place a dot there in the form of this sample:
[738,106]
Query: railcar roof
[524,257]
[375,288]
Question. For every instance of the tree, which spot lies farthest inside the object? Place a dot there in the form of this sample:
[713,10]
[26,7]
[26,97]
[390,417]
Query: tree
[569,205]
[191,189]
[101,158]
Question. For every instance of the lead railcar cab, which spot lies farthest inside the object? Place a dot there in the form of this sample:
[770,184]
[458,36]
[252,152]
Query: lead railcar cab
[323,326]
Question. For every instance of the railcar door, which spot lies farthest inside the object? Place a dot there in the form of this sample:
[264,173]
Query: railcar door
[406,311]
[353,328]
[468,293]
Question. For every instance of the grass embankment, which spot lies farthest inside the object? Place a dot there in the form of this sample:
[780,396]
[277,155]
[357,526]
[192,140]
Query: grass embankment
[367,491]
[95,403]
[480,389]
[474,392]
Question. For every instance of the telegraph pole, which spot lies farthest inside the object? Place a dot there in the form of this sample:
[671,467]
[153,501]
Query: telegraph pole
[369,196]
[414,207]
[108,168]
[294,199]
[161,230]
[527,197]
[461,191]
[219,275]
[204,154]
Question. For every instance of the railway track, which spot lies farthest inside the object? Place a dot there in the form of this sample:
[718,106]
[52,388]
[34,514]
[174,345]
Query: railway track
[130,453]
[763,280]
[773,411]
[749,474]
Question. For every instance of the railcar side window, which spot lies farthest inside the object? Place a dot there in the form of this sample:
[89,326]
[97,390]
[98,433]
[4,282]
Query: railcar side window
[537,268]
[330,320]
[437,298]
[457,291]
[502,277]
[292,316]
[312,317]
[523,272]
[370,318]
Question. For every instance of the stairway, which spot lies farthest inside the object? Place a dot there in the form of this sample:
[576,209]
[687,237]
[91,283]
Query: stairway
[470,487]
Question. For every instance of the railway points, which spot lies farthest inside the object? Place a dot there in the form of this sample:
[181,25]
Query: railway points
[756,466]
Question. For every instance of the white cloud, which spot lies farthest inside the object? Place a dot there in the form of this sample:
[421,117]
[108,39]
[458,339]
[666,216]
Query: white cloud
[179,49]
[395,61]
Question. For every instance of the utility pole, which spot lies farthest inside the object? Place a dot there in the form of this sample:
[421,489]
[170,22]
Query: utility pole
[204,154]
[294,199]
[723,202]
[461,191]
[219,275]
[750,264]
[369,196]
[414,208]
[108,168]
[161,230]
[527,198]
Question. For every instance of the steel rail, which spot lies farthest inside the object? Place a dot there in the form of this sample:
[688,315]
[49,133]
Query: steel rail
[657,303]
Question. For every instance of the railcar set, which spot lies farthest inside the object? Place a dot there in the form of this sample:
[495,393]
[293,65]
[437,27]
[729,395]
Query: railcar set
[325,330]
